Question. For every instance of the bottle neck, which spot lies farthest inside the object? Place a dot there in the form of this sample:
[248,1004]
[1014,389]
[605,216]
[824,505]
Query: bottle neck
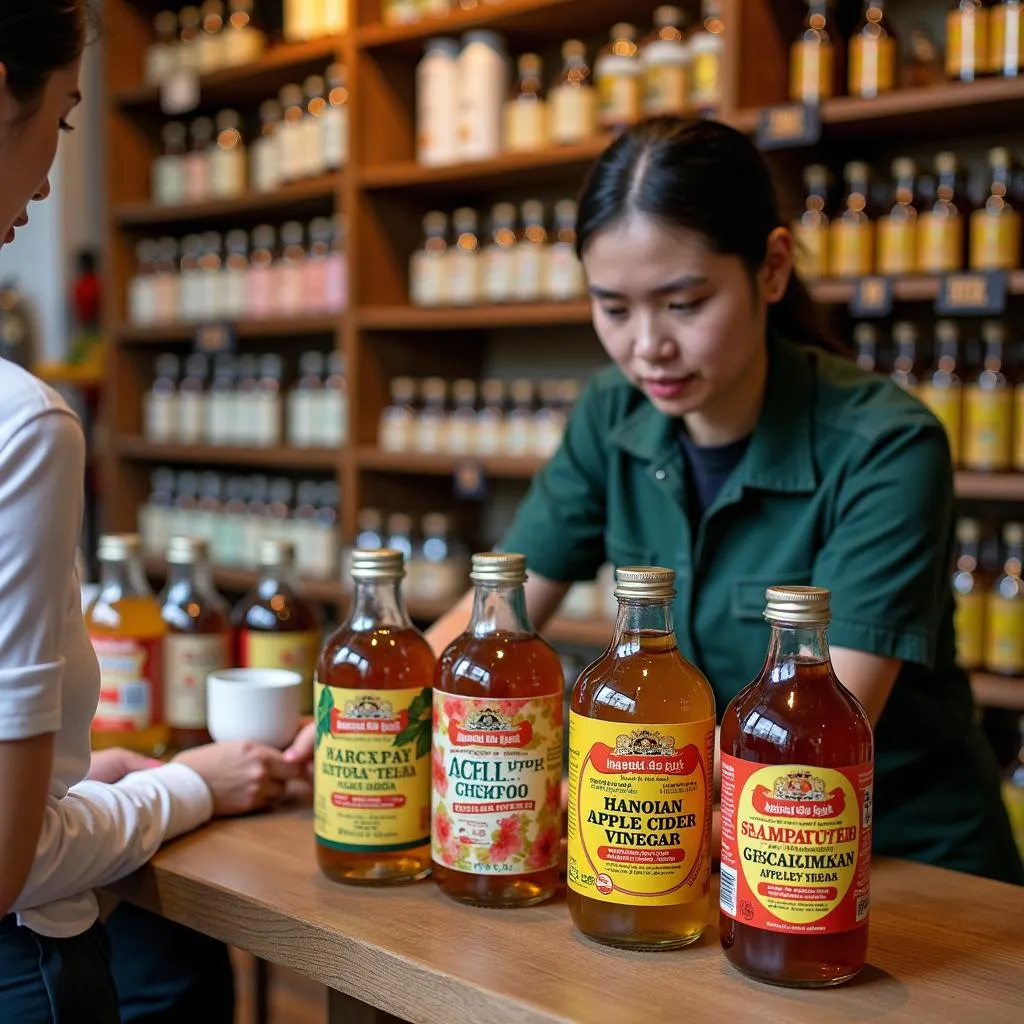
[500,608]
[639,619]
[124,579]
[273,577]
[197,577]
[791,645]
[378,603]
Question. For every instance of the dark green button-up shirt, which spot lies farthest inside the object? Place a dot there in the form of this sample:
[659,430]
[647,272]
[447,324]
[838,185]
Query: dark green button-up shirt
[846,484]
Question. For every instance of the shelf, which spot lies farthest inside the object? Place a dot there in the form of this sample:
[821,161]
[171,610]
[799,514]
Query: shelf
[298,197]
[238,581]
[282,457]
[500,467]
[992,691]
[284,328]
[990,486]
[473,318]
[916,288]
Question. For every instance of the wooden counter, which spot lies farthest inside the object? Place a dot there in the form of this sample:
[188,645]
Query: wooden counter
[945,947]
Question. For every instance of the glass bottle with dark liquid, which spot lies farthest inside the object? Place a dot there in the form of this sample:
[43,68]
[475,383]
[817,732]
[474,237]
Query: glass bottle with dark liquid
[373,723]
[497,750]
[797,775]
[641,779]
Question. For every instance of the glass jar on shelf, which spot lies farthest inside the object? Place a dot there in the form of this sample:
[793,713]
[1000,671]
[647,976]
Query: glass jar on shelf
[461,433]
[531,254]
[519,423]
[428,270]
[398,420]
[572,100]
[498,278]
[160,403]
[430,434]
[228,170]
[244,42]
[526,111]
[464,270]
[169,169]
[490,420]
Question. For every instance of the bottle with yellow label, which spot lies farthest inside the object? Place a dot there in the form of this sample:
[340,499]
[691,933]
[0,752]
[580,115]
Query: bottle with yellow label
[618,76]
[641,779]
[940,227]
[942,392]
[665,58]
[865,341]
[811,231]
[812,58]
[1004,612]
[371,779]
[969,594]
[995,227]
[852,233]
[1006,38]
[967,42]
[706,46]
[873,53]
[897,230]
[988,407]
[905,368]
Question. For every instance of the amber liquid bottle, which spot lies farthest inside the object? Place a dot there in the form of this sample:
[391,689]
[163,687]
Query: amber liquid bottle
[198,642]
[996,226]
[276,628]
[812,58]
[943,392]
[1004,610]
[373,724]
[127,633]
[797,774]
[988,407]
[497,751]
[641,780]
[905,367]
[811,231]
[852,233]
[967,43]
[897,230]
[940,228]
[873,53]
[970,596]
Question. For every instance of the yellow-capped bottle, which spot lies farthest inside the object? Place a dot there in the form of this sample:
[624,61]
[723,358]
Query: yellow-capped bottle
[1004,612]
[812,58]
[873,53]
[943,392]
[852,233]
[988,407]
[811,231]
[996,227]
[967,45]
[1006,38]
[641,779]
[969,594]
[940,227]
[897,230]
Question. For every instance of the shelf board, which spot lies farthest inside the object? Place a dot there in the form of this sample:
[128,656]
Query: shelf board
[991,691]
[284,328]
[238,581]
[296,197]
[990,486]
[501,467]
[282,457]
[473,318]
[915,288]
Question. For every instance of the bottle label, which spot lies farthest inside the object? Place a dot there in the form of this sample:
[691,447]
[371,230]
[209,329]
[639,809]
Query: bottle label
[705,79]
[796,846]
[131,684]
[811,253]
[620,100]
[810,72]
[666,88]
[966,43]
[573,114]
[940,243]
[897,246]
[640,811]
[995,240]
[1018,420]
[497,774]
[188,660]
[988,433]
[372,768]
[969,626]
[852,248]
[296,652]
[1004,646]
[947,405]
[872,65]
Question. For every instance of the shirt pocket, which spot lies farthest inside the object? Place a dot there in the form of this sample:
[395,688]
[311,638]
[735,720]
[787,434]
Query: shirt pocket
[621,553]
[747,599]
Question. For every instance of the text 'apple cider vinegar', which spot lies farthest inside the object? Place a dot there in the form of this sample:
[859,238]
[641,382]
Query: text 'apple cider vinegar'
[497,752]
[797,776]
[641,779]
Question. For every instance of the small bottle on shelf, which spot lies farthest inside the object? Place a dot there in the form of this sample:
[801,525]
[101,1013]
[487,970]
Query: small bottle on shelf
[160,403]
[369,525]
[812,58]
[279,526]
[897,230]
[244,42]
[313,157]
[292,133]
[852,233]
[996,226]
[303,525]
[618,76]
[865,340]
[549,420]
[191,292]
[166,281]
[970,596]
[490,425]
[440,565]
[967,46]
[197,163]
[398,420]
[156,515]
[483,86]
[437,103]
[464,271]
[162,57]
[519,422]
[208,510]
[564,280]
[142,298]
[706,46]
[428,270]
[302,400]
[988,407]
[460,435]
[192,400]
[1004,610]
[940,228]
[186,504]
[267,403]
[210,293]
[303,20]
[336,281]
[873,53]
[572,99]
[221,406]
[922,65]
[1006,38]
[531,254]
[432,421]
[169,170]
[190,24]
[267,172]
[334,121]
[330,427]
[211,40]
[234,275]
[241,424]
[229,532]
[335,17]
[323,532]
[260,295]
[811,231]
[290,272]
[399,536]
[943,391]
[526,112]
[665,58]
[228,171]
[499,256]
[905,341]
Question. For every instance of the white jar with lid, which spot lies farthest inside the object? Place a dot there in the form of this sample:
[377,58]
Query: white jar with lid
[483,85]
[437,103]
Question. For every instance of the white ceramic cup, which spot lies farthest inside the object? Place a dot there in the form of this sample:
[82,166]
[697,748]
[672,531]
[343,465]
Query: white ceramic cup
[258,704]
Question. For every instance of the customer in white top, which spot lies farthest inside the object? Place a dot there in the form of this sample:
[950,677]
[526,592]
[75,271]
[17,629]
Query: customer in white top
[62,834]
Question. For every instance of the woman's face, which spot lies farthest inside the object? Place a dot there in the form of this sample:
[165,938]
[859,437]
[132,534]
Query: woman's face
[685,325]
[28,145]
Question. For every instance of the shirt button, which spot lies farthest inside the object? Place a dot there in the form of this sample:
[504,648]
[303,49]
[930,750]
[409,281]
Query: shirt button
[660,474]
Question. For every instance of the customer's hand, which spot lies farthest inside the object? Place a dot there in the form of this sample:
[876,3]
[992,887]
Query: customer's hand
[242,776]
[114,764]
[300,753]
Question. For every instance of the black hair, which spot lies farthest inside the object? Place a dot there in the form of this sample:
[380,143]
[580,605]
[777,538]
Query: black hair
[39,37]
[706,177]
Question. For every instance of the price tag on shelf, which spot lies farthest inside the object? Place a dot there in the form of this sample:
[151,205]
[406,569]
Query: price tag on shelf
[470,481]
[179,93]
[213,339]
[789,126]
[973,294]
[872,297]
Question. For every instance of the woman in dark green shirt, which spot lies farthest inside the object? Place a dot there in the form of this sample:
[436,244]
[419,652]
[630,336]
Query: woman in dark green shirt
[729,442]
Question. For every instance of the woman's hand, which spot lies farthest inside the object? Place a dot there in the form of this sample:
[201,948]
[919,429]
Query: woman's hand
[242,776]
[113,765]
[300,753]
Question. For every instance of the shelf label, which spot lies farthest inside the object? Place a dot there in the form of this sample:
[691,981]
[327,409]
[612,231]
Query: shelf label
[470,481]
[975,294]
[179,93]
[213,339]
[872,297]
[789,126]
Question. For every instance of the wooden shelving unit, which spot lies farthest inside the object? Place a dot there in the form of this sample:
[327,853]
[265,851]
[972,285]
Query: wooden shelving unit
[138,449]
[245,330]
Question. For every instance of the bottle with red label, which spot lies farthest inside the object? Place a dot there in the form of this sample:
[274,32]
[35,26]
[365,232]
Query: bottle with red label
[277,628]
[373,728]
[127,633]
[198,639]
[497,750]
[641,779]
[796,809]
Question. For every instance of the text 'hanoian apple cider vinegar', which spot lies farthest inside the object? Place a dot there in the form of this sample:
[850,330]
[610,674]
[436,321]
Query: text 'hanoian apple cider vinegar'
[797,776]
[497,751]
[641,777]
[372,759]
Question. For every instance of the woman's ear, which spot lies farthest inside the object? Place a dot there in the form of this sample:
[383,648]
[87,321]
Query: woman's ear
[778,265]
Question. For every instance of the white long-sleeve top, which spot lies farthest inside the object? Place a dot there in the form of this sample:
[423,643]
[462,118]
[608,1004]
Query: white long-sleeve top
[92,833]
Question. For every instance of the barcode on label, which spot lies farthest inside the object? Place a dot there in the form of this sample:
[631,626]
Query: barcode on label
[863,905]
[727,891]
[868,808]
[135,696]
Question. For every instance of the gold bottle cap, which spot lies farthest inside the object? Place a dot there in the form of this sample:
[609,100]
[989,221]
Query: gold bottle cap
[275,552]
[186,550]
[497,567]
[968,531]
[650,581]
[119,547]
[805,606]
[385,564]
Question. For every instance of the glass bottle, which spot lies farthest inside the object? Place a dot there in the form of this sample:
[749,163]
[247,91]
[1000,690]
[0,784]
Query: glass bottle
[549,420]
[618,76]
[432,421]
[996,227]
[497,750]
[156,516]
[127,634]
[189,27]
[142,288]
[290,282]
[369,524]
[464,271]
[254,526]
[519,422]
[228,176]
[279,524]
[442,563]
[336,271]
[967,47]
[852,233]
[873,53]
[988,407]
[1004,610]
[267,172]
[531,253]
[923,62]
[940,228]
[665,59]
[243,41]
[796,746]
[460,434]
[323,532]
[166,281]
[219,426]
[186,504]
[240,417]
[398,420]
[276,627]
[812,58]
[162,56]
[865,340]
[811,231]
[198,167]
[897,230]
[169,169]
[160,403]
[641,775]
[234,275]
[399,536]
[499,255]
[210,263]
[313,155]
[969,594]
[260,295]
[334,121]
[331,423]
[267,402]
[373,708]
[292,133]
[942,392]
[191,279]
[428,269]
[198,639]
[192,400]
[572,99]
[302,400]
[905,367]
[706,46]
[211,42]
[490,420]
[1006,38]
[526,112]
[564,280]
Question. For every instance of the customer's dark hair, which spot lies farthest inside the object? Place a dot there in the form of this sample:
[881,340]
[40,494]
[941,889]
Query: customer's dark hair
[39,37]
[706,177]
